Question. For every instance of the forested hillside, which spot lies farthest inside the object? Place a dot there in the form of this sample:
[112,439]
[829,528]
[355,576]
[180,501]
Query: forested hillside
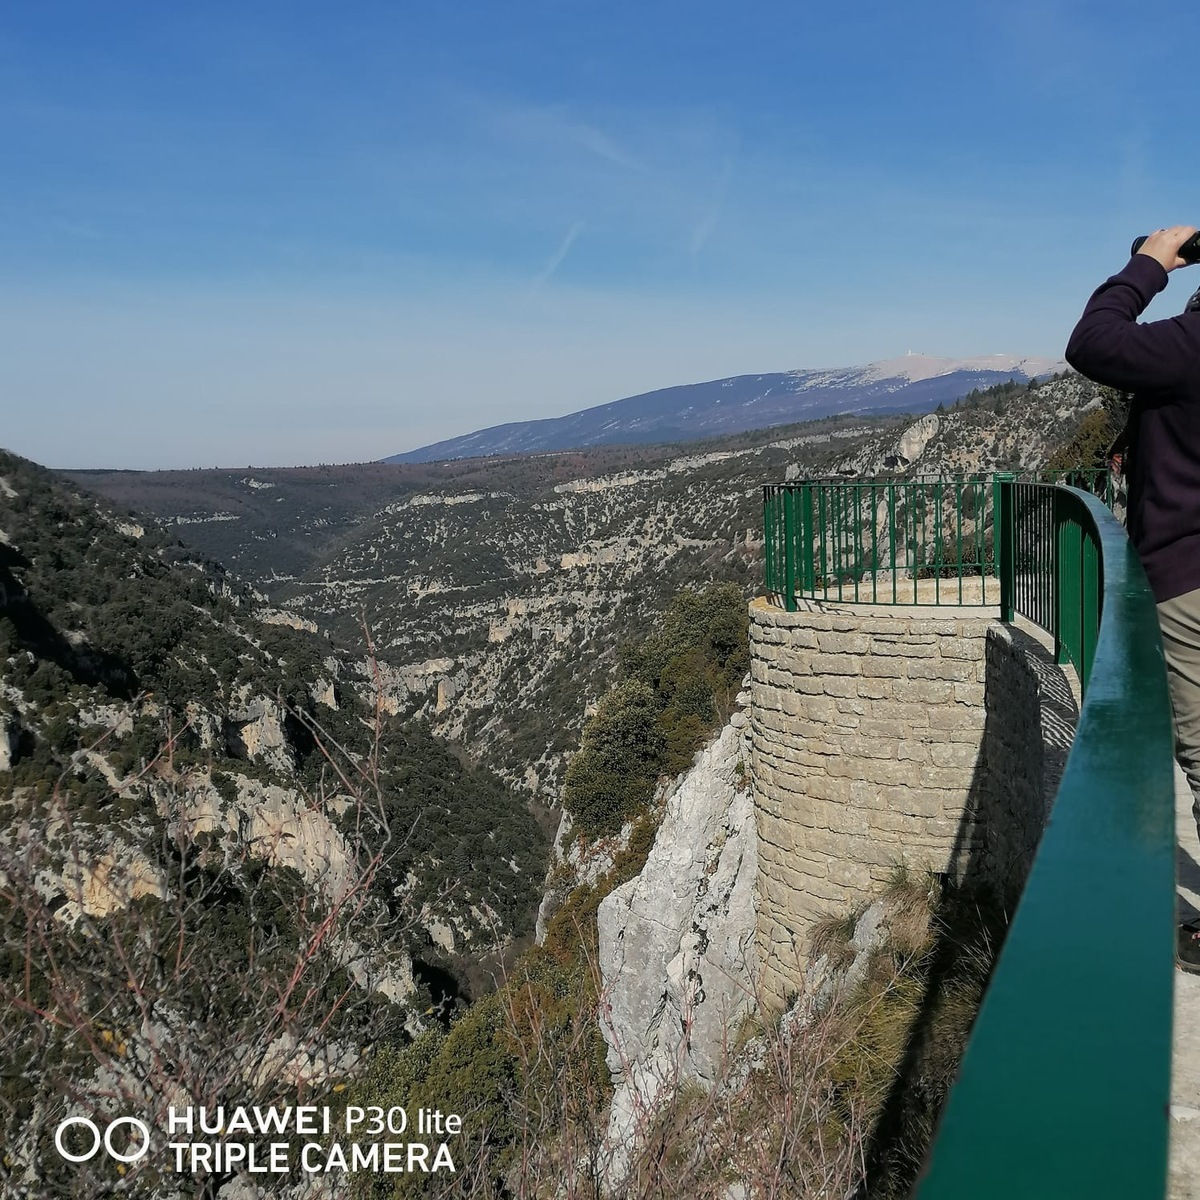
[223,865]
[497,593]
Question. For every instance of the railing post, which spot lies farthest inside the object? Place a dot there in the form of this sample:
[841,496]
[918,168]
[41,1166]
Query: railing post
[1067,551]
[808,573]
[1090,603]
[1060,587]
[769,534]
[891,511]
[1004,486]
[790,537]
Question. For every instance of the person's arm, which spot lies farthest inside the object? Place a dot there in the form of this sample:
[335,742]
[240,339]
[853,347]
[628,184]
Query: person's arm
[1110,347]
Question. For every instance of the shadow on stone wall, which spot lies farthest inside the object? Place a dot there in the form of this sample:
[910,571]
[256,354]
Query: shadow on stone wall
[1031,714]
[1030,721]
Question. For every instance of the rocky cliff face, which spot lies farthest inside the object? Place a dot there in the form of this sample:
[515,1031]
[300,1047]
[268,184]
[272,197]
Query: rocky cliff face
[677,942]
[998,432]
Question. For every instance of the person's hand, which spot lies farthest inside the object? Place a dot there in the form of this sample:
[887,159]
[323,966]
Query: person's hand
[1163,246]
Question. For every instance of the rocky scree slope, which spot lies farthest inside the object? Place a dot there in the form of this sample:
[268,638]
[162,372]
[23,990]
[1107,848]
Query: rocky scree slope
[1005,428]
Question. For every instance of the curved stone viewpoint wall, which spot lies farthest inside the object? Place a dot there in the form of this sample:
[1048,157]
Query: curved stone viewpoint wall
[932,738]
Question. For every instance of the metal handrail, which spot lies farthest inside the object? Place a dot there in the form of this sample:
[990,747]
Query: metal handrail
[873,541]
[1051,570]
[1064,1088]
[894,541]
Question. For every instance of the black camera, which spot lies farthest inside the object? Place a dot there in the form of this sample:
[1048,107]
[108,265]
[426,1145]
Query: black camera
[1189,251]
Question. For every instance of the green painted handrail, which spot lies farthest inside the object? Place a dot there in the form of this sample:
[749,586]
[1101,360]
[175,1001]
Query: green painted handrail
[873,541]
[1064,1089]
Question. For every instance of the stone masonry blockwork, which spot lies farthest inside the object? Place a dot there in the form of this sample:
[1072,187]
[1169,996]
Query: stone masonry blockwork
[885,737]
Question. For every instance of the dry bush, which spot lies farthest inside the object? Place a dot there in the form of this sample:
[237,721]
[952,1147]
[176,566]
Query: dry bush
[217,978]
[780,1121]
[832,937]
[838,1099]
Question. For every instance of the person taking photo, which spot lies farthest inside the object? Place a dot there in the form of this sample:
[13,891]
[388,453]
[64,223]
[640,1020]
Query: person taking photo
[1159,363]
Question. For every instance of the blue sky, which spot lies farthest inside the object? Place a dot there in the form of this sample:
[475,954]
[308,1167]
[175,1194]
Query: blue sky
[279,233]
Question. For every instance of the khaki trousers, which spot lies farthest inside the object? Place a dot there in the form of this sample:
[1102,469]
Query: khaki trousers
[1179,620]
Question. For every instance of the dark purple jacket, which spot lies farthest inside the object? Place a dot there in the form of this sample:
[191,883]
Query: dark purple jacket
[1159,362]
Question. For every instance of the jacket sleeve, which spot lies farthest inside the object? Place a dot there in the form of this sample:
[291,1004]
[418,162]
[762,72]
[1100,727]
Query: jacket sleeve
[1110,347]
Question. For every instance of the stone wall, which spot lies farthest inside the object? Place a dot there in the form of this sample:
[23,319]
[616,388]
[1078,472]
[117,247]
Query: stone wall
[1031,708]
[872,731]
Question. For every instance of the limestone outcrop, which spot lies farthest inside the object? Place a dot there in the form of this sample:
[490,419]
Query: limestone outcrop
[916,437]
[8,742]
[255,730]
[677,942]
[284,827]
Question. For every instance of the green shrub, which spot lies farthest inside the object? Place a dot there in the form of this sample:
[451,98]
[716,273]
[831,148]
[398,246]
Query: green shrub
[678,684]
[617,766]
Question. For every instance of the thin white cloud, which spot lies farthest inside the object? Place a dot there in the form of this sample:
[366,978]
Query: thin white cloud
[556,259]
[703,229]
[600,144]
[552,126]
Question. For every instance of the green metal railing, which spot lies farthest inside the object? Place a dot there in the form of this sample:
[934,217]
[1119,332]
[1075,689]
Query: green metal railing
[1099,482]
[1022,543]
[1065,1084]
[875,541]
[1064,1089]
[1050,566]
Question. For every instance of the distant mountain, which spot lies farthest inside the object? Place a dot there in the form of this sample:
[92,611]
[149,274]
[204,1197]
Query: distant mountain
[915,383]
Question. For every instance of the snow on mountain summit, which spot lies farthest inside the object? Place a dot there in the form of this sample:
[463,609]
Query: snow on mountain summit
[915,367]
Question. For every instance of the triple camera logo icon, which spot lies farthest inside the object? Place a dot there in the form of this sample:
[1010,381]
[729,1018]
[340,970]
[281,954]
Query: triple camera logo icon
[105,1139]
